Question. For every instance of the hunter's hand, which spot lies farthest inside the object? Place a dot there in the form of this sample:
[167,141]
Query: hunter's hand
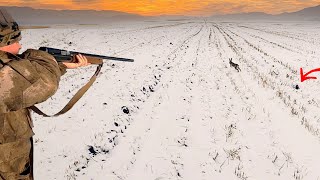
[77,61]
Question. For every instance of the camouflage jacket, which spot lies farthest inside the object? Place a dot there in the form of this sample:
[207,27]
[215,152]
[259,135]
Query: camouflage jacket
[24,81]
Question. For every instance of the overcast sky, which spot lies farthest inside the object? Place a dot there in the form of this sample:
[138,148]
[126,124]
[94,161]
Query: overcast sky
[171,7]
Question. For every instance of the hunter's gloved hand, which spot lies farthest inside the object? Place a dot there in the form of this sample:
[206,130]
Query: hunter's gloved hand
[77,61]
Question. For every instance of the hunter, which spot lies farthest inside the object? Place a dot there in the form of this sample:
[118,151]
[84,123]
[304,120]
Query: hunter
[25,80]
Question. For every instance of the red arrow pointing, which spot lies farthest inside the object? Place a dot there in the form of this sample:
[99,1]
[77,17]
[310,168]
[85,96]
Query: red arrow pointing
[304,76]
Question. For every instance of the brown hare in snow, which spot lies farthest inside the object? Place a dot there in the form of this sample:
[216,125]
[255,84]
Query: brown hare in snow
[232,64]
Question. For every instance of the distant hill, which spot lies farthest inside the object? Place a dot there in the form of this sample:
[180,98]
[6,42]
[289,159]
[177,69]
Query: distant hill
[307,14]
[30,16]
[311,13]
[244,16]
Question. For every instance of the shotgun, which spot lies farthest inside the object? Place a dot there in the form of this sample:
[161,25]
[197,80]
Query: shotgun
[62,55]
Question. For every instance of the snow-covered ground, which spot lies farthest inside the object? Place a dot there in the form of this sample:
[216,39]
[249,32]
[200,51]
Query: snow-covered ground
[180,111]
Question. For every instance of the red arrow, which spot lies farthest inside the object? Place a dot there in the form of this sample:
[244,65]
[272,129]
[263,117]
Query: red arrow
[304,76]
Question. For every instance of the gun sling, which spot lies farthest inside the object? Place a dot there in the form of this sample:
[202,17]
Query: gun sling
[74,99]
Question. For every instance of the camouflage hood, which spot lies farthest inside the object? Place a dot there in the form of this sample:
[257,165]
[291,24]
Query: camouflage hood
[9,29]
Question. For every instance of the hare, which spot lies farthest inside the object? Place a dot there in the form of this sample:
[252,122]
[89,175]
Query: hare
[232,64]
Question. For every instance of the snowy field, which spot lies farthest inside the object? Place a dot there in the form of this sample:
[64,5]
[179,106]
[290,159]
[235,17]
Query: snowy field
[180,111]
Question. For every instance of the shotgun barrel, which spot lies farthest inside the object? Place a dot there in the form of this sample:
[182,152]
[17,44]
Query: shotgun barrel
[62,55]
